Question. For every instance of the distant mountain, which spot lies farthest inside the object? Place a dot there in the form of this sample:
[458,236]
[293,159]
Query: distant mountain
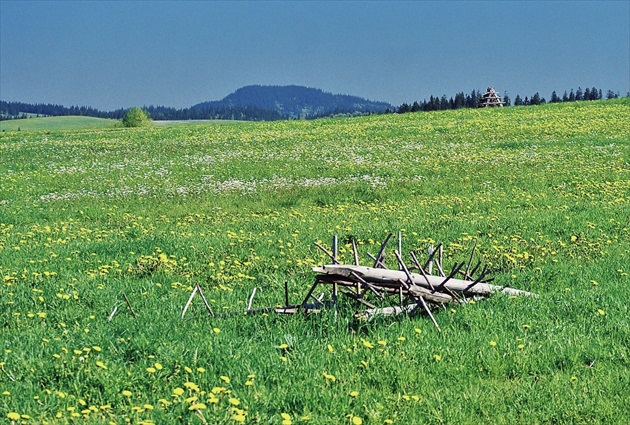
[296,102]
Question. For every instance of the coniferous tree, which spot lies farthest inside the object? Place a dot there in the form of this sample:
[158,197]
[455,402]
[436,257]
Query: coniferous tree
[518,101]
[404,108]
[572,96]
[554,97]
[565,97]
[444,104]
[579,94]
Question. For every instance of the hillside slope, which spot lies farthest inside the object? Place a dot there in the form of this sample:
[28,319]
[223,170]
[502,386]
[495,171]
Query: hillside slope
[296,101]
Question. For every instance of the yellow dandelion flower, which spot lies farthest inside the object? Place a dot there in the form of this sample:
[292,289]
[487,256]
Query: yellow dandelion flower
[13,416]
[354,394]
[218,390]
[330,377]
[493,343]
[158,366]
[151,370]
[401,338]
[225,379]
[234,401]
[126,393]
[216,330]
[178,391]
[356,420]
[240,418]
[330,348]
[601,312]
[437,357]
[418,330]
[197,406]
[367,344]
[101,365]
[213,400]
[521,346]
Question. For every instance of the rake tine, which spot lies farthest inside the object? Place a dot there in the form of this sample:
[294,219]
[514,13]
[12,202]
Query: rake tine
[470,259]
[432,255]
[379,257]
[332,257]
[481,276]
[456,269]
[415,260]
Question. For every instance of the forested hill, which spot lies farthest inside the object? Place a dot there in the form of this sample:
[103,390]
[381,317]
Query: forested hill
[296,102]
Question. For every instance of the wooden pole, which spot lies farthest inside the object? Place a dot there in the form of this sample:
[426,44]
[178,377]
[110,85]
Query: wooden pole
[192,294]
[380,258]
[129,305]
[355,253]
[251,299]
[374,275]
[205,302]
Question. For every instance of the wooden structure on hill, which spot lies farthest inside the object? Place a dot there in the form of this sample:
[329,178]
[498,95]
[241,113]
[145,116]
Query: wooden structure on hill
[490,98]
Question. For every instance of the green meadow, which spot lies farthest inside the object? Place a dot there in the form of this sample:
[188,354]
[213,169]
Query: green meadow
[88,218]
[57,123]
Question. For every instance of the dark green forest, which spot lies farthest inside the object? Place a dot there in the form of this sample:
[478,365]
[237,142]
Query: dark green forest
[270,103]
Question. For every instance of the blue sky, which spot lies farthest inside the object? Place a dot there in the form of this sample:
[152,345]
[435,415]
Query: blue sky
[120,54]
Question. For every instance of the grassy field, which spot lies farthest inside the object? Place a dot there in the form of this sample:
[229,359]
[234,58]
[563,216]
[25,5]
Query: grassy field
[87,218]
[58,123]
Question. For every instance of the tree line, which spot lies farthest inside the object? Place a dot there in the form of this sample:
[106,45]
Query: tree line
[462,100]
[21,110]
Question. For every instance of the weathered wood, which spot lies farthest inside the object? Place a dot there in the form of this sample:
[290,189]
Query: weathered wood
[111,316]
[355,253]
[367,285]
[358,298]
[192,295]
[431,255]
[472,253]
[374,275]
[332,256]
[380,258]
[133,313]
[376,261]
[426,308]
[205,301]
[385,311]
[251,300]
[310,292]
[417,263]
